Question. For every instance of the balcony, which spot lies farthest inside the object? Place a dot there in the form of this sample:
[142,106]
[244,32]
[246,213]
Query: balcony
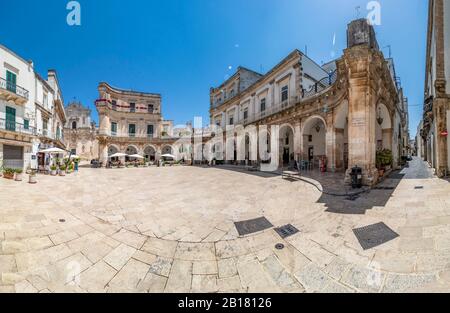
[13,92]
[15,127]
[270,110]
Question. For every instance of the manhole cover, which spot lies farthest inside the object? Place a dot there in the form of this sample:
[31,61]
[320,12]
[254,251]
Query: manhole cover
[252,226]
[374,235]
[286,231]
[279,246]
[62,220]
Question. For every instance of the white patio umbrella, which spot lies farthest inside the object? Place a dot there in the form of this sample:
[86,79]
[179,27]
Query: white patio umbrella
[168,156]
[136,156]
[53,151]
[118,155]
[73,156]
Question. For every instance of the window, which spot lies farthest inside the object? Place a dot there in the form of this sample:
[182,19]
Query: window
[150,131]
[231,121]
[114,105]
[284,93]
[73,151]
[232,93]
[113,129]
[310,138]
[150,108]
[74,125]
[45,127]
[132,130]
[11,80]
[263,104]
[245,114]
[132,107]
[45,100]
[26,124]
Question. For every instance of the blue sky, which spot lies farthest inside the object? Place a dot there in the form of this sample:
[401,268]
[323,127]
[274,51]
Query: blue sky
[181,48]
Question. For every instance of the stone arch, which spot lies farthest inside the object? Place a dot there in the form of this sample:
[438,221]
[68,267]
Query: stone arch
[383,127]
[167,149]
[286,144]
[314,140]
[150,153]
[113,149]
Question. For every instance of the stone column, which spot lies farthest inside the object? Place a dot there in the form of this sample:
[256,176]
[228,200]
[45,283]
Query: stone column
[103,150]
[298,141]
[362,112]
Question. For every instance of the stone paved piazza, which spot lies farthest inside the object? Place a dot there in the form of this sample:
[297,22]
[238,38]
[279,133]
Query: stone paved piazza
[171,229]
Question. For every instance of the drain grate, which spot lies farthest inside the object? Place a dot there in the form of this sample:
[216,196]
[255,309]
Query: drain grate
[418,187]
[62,220]
[252,226]
[286,231]
[383,188]
[374,235]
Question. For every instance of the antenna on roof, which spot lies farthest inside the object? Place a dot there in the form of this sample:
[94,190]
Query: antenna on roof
[358,11]
[306,50]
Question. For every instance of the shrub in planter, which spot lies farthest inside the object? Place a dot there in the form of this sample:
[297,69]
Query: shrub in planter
[8,173]
[384,158]
[18,174]
[62,170]
[53,170]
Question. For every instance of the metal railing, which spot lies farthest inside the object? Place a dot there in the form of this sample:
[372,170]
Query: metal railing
[6,85]
[270,110]
[17,127]
[320,86]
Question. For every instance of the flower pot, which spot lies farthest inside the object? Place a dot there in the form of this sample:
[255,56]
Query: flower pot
[32,179]
[62,173]
[18,177]
[53,172]
[8,175]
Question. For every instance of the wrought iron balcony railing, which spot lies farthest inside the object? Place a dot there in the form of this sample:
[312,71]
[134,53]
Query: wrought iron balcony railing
[17,127]
[321,85]
[6,85]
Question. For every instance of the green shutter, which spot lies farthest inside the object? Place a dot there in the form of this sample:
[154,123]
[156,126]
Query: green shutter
[11,80]
[26,124]
[10,118]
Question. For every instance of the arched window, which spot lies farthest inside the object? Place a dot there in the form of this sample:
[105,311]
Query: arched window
[74,125]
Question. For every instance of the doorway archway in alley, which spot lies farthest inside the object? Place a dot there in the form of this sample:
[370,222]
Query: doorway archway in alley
[286,144]
[314,140]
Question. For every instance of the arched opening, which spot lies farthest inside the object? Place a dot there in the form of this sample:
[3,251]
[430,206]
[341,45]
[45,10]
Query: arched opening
[150,154]
[130,150]
[286,145]
[383,137]
[74,125]
[113,150]
[341,137]
[264,146]
[167,150]
[314,141]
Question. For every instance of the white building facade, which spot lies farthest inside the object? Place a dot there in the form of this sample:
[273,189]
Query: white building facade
[31,112]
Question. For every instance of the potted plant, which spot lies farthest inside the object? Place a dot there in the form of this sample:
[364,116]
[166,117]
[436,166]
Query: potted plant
[8,173]
[62,170]
[53,170]
[18,172]
[32,177]
[384,160]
